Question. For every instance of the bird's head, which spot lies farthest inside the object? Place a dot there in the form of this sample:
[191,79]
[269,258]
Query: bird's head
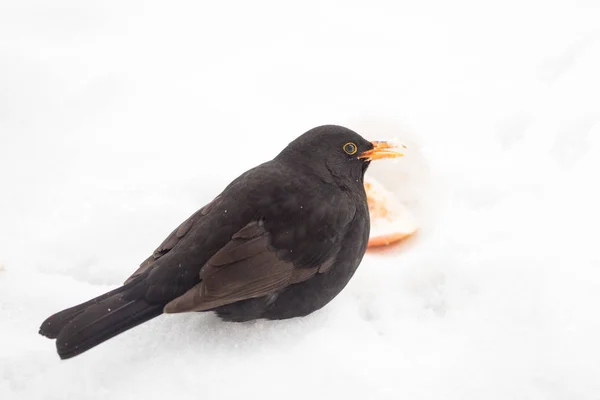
[337,153]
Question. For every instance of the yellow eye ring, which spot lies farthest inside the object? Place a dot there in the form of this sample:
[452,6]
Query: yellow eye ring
[350,148]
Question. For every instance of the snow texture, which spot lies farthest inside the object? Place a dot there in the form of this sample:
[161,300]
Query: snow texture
[119,119]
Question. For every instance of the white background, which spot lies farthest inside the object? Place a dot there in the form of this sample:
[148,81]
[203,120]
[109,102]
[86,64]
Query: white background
[119,119]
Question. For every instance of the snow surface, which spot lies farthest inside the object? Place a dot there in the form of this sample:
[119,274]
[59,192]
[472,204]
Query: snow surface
[119,119]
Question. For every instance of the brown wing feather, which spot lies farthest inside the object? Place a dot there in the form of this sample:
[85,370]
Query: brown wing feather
[172,240]
[246,267]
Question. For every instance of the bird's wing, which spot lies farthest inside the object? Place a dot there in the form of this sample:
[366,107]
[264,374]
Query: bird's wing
[246,267]
[171,241]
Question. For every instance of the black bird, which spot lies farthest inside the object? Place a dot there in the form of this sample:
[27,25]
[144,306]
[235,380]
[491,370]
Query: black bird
[280,241]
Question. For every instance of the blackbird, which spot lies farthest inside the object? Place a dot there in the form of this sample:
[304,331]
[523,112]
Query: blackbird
[280,241]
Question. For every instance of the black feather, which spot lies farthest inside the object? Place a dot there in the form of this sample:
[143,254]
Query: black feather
[80,328]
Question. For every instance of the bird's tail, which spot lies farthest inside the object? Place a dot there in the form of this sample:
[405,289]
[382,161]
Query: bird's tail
[84,326]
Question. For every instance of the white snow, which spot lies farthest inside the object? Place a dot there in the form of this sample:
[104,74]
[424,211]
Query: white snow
[120,119]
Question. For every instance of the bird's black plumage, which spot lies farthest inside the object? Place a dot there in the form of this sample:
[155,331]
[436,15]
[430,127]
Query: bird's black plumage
[280,241]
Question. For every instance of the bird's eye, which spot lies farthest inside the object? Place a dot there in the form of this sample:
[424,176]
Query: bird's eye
[350,148]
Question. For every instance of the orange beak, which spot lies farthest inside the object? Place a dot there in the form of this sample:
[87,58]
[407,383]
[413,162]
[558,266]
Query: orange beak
[382,150]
